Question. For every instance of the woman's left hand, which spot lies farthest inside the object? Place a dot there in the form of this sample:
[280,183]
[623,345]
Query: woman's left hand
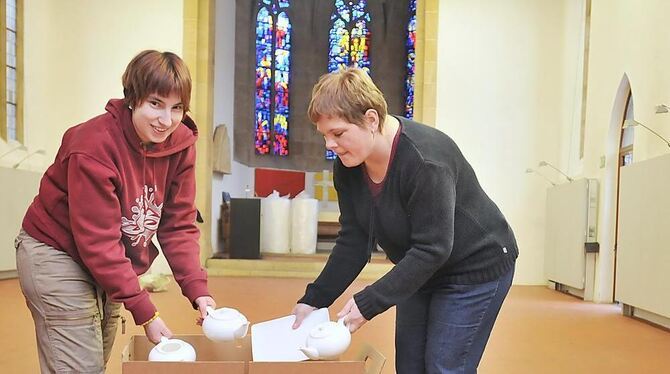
[203,302]
[353,318]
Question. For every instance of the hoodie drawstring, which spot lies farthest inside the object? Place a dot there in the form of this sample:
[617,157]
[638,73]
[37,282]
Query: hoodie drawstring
[144,164]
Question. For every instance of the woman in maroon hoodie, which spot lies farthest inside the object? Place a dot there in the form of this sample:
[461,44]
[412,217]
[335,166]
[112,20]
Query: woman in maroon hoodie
[118,179]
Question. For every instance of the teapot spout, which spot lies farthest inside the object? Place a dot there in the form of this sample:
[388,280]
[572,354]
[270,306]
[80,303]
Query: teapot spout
[310,352]
[241,332]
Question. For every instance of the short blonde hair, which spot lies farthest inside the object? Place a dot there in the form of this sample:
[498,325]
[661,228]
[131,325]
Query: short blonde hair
[347,94]
[153,72]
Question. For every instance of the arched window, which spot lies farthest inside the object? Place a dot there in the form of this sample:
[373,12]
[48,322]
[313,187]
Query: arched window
[349,39]
[411,55]
[273,61]
[11,94]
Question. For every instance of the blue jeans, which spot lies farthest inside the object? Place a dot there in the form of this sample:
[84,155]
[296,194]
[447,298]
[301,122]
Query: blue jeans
[445,330]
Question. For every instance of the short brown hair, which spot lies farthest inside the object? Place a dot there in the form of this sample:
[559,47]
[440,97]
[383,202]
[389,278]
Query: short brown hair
[347,94]
[156,72]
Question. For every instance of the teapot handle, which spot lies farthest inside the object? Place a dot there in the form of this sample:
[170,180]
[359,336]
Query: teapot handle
[164,339]
[341,322]
[210,310]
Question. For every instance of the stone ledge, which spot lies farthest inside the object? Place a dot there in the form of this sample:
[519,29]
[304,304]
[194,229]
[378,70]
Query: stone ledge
[285,266]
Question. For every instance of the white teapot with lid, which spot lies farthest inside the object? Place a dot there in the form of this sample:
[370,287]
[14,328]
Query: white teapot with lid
[172,350]
[224,324]
[327,340]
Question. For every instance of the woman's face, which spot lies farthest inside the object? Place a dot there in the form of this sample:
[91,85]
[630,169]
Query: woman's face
[353,144]
[157,117]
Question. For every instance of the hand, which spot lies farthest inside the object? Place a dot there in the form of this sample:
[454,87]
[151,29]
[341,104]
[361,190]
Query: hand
[353,318]
[301,311]
[203,302]
[157,329]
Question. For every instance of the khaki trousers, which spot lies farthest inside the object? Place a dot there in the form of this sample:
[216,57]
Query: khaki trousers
[75,323]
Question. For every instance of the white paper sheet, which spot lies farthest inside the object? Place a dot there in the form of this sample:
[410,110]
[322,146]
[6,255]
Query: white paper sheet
[276,341]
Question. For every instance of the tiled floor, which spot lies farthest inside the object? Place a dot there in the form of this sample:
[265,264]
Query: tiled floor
[538,331]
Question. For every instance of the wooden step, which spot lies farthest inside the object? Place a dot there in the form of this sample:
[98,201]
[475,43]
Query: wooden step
[290,266]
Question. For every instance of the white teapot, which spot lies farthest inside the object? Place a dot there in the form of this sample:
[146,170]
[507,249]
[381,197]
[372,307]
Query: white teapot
[224,324]
[327,340]
[172,350]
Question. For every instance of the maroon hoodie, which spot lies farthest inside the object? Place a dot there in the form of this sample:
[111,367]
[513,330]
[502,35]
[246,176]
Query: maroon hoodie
[107,194]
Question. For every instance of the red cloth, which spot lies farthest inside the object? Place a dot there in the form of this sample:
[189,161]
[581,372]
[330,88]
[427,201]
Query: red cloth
[286,182]
[107,194]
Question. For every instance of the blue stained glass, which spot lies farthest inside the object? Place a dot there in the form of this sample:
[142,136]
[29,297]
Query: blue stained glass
[281,90]
[283,41]
[341,10]
[263,100]
[349,39]
[273,52]
[282,59]
[359,46]
[263,88]
[282,65]
[411,65]
[339,46]
[264,31]
[358,11]
[281,135]
[262,131]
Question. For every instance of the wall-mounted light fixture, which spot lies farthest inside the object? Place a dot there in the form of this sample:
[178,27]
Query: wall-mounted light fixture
[20,147]
[545,163]
[662,108]
[37,152]
[531,171]
[632,123]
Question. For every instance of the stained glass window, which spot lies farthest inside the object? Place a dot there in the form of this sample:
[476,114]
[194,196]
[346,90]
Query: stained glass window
[349,39]
[273,61]
[411,55]
[11,69]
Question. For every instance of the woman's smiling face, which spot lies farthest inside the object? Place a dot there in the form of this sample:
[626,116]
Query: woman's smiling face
[157,117]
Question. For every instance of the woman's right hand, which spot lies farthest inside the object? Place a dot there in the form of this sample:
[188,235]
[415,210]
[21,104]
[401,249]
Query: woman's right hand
[156,329]
[301,311]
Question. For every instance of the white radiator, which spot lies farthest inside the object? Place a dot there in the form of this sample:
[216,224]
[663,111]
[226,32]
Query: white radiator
[570,223]
[643,245]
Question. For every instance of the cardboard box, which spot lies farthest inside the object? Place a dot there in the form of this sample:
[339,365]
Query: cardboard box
[235,358]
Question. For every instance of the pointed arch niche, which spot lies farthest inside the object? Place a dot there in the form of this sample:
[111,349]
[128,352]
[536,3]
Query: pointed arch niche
[605,276]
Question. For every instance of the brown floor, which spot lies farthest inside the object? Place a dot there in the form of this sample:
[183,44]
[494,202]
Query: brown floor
[538,331]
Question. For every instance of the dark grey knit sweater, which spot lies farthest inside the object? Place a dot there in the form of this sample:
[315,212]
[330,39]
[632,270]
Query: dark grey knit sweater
[432,219]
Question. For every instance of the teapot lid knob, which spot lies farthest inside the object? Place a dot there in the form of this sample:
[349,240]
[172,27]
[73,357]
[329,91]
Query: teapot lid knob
[226,314]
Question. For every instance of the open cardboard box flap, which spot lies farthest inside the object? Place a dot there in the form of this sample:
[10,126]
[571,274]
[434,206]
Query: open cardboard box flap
[235,358]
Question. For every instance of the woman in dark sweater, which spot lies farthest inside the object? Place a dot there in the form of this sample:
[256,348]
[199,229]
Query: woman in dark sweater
[407,187]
